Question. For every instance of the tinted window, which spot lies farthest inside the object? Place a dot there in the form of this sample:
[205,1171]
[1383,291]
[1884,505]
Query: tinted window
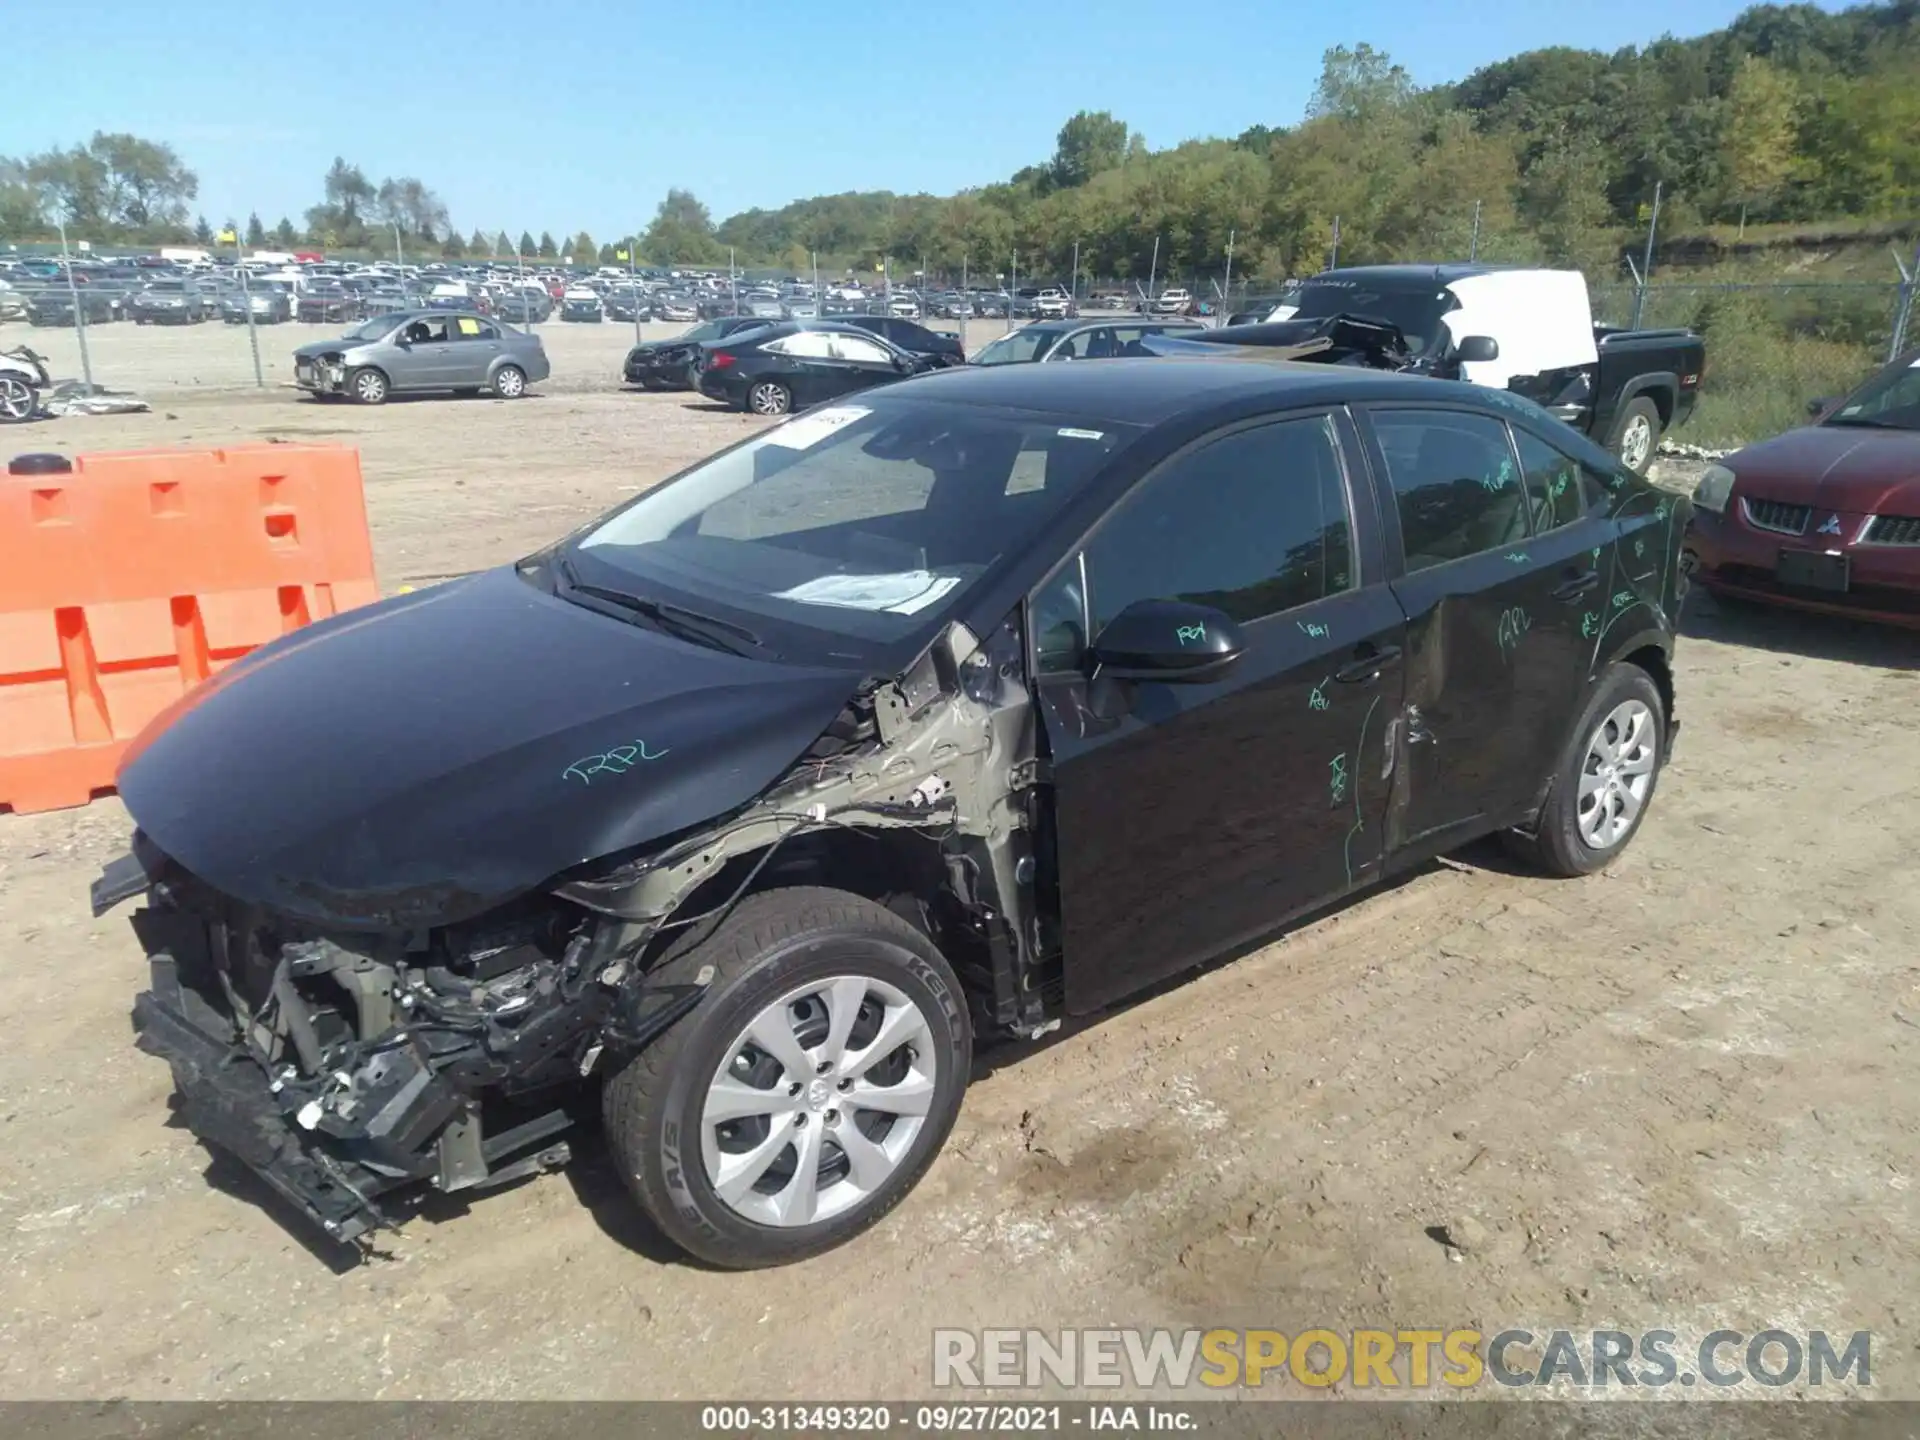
[1559,490]
[1454,478]
[1251,524]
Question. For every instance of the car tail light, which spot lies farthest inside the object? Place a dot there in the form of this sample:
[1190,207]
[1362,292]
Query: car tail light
[720,361]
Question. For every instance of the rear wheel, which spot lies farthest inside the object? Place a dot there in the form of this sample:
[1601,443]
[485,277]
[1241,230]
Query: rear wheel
[368,386]
[509,382]
[809,1091]
[17,400]
[769,397]
[1606,778]
[1636,434]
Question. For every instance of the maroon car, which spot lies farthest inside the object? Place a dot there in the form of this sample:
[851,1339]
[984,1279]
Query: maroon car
[1826,517]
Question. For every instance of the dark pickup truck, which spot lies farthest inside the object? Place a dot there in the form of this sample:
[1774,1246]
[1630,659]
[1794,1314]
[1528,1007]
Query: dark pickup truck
[1528,331]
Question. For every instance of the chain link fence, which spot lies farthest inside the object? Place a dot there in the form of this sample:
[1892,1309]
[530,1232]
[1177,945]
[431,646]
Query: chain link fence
[1770,347]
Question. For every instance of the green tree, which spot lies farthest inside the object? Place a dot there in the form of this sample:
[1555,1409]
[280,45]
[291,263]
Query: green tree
[682,233]
[479,244]
[341,216]
[20,205]
[1358,84]
[453,247]
[526,246]
[284,234]
[202,232]
[582,248]
[1759,131]
[1566,199]
[548,250]
[115,184]
[1090,142]
[256,232]
[410,205]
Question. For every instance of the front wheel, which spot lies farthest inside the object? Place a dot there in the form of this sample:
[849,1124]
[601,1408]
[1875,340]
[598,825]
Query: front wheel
[769,397]
[509,382]
[1636,434]
[368,387]
[808,1092]
[1606,779]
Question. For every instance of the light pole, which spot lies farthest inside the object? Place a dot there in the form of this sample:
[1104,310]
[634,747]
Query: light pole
[79,316]
[246,303]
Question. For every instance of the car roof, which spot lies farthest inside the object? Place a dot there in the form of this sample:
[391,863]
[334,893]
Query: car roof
[1406,274]
[1150,390]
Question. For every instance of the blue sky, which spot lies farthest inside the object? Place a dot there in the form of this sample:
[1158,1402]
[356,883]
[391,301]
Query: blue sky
[584,113]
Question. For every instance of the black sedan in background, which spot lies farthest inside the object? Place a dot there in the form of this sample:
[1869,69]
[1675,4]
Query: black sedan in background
[794,364]
[914,339]
[668,364]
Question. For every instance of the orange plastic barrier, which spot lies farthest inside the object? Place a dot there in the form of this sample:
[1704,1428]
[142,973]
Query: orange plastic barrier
[135,577]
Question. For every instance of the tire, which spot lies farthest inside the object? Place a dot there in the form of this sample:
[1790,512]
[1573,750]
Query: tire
[368,386]
[781,952]
[1566,842]
[768,397]
[1636,434]
[509,382]
[18,400]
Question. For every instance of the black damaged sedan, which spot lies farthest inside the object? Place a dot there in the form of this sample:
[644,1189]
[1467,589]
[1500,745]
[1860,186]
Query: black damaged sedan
[971,704]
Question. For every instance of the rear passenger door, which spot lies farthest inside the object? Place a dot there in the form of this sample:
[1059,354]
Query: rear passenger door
[1499,555]
[1193,817]
[475,344]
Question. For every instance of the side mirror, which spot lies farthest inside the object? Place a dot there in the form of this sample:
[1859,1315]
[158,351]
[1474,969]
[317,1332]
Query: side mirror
[1477,349]
[1817,408]
[1169,641]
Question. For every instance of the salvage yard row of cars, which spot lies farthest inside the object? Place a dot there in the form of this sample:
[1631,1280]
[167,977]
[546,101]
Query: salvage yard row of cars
[926,714]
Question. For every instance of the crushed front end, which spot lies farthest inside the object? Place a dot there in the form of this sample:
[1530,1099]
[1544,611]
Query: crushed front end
[340,1067]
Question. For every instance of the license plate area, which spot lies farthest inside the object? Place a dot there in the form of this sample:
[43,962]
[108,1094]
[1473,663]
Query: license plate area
[1813,570]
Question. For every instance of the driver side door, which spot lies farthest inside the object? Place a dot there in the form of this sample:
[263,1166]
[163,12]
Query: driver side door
[1190,817]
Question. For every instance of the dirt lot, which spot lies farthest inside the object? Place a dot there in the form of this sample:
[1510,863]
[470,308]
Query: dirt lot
[1671,1096]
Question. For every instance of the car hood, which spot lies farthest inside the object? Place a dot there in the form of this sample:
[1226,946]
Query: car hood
[431,756]
[338,345]
[1855,469]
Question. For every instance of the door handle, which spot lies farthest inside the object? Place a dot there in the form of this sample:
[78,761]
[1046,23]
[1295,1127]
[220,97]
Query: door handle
[1367,663]
[1579,585]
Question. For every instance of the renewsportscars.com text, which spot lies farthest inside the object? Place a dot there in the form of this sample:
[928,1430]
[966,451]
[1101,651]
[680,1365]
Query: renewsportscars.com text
[1398,1359]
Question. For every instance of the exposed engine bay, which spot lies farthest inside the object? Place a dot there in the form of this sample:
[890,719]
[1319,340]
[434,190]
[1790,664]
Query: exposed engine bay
[343,1066]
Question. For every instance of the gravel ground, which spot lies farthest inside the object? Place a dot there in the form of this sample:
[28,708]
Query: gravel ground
[1669,1096]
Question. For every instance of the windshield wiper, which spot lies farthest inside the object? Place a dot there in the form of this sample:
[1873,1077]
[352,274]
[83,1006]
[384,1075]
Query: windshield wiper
[708,630]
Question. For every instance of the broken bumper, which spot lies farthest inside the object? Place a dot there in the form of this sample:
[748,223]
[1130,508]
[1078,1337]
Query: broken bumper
[228,1103]
[320,378]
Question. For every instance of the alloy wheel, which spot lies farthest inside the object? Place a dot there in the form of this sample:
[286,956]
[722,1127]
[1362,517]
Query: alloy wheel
[16,398]
[767,398]
[509,383]
[1636,442]
[817,1101]
[370,387]
[1616,774]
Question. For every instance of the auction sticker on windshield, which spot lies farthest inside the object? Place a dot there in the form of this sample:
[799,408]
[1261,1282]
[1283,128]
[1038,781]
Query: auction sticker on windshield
[808,430]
